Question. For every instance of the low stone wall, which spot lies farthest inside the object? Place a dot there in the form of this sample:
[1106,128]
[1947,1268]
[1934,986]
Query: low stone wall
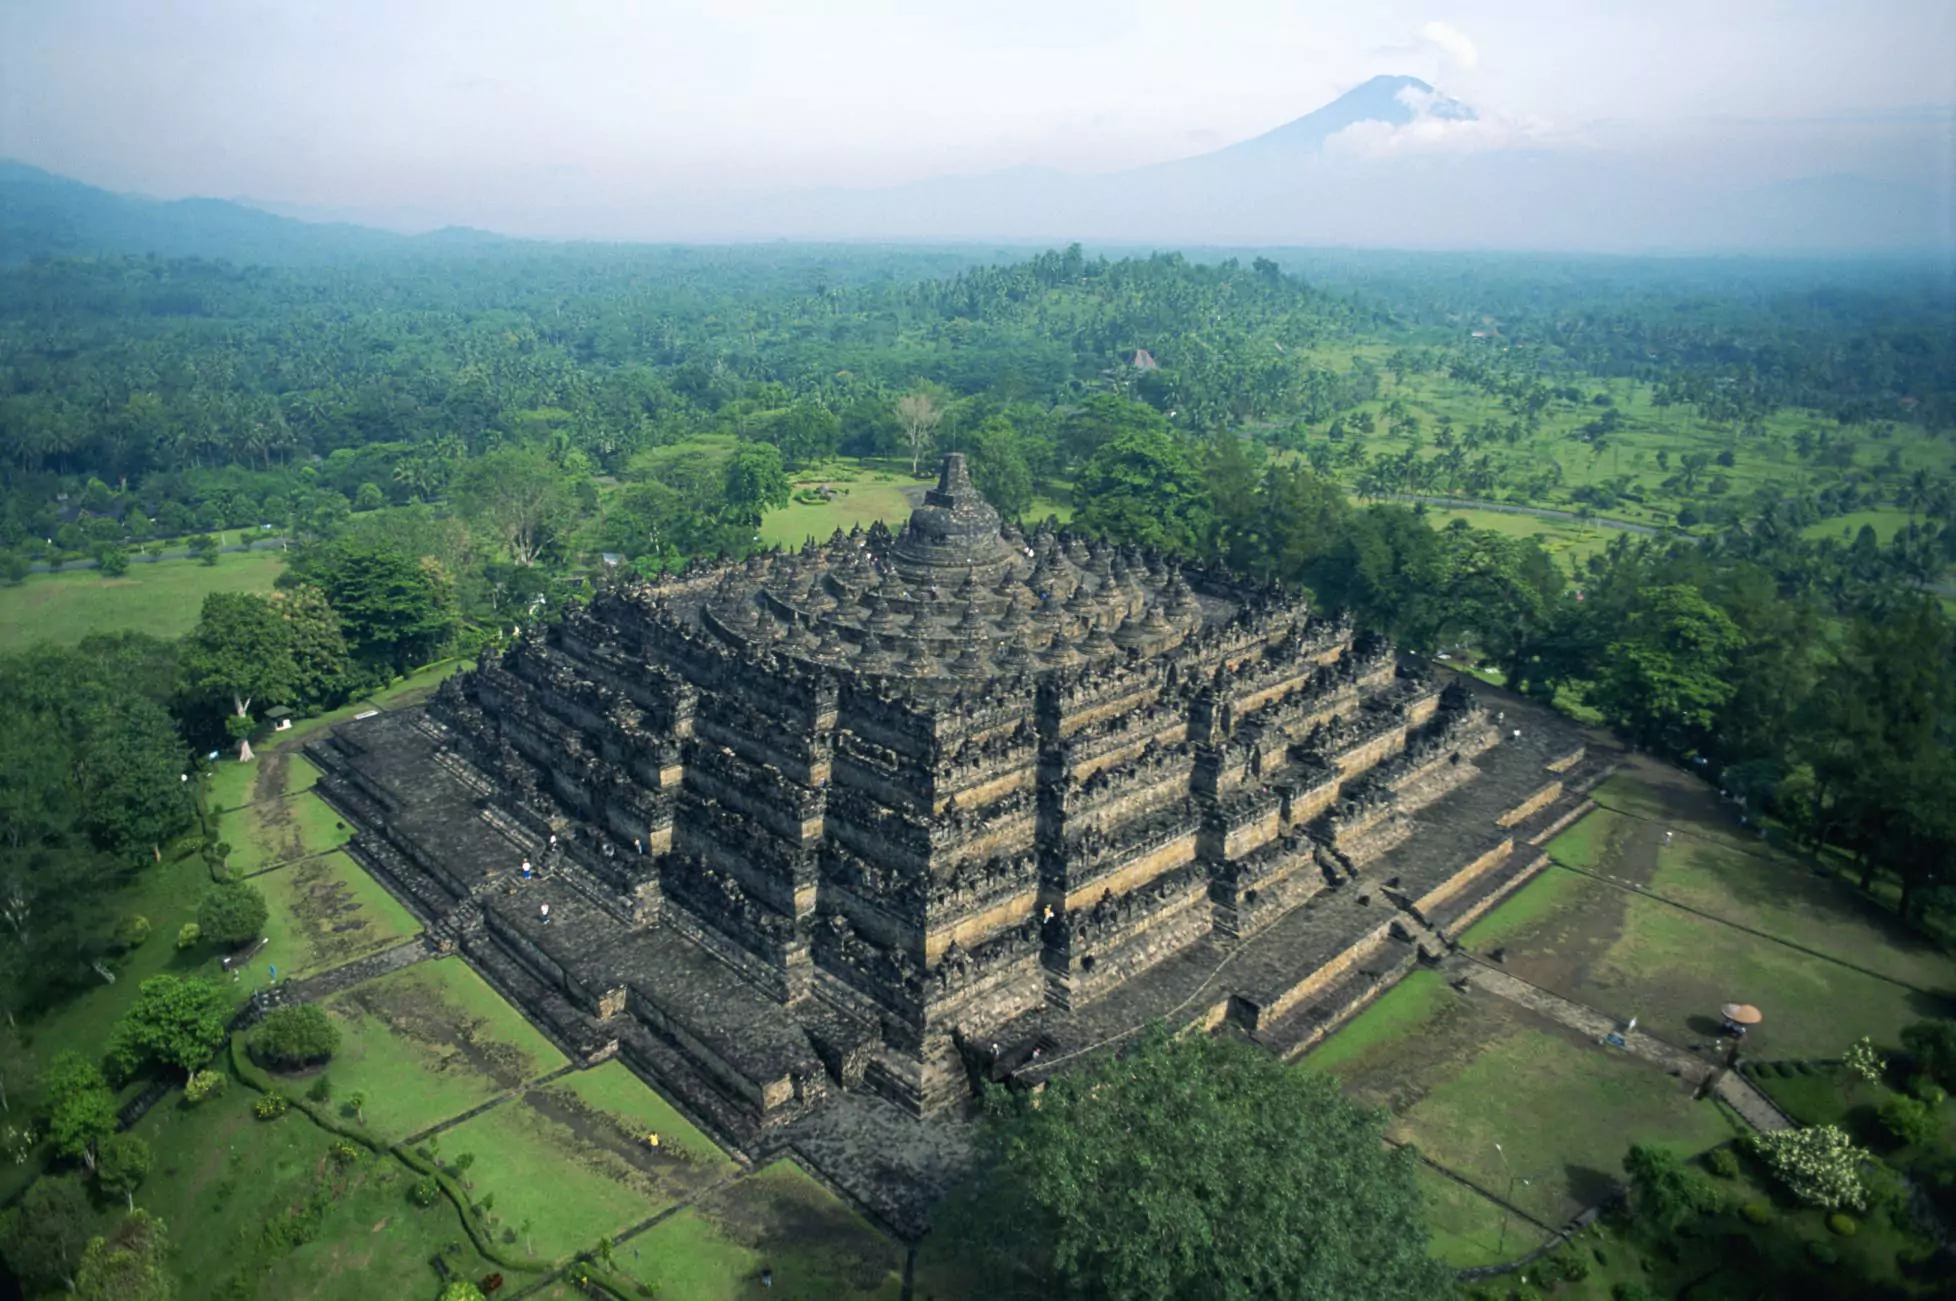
[1529,807]
[1465,877]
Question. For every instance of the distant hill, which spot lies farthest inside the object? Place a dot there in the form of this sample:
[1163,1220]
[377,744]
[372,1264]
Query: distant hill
[45,215]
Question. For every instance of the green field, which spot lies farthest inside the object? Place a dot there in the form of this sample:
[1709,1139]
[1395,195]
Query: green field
[1886,524]
[223,1180]
[1570,542]
[323,913]
[777,1218]
[1462,1073]
[279,829]
[428,1043]
[163,598]
[863,496]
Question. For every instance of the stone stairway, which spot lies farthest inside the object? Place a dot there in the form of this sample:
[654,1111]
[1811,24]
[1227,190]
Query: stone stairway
[313,989]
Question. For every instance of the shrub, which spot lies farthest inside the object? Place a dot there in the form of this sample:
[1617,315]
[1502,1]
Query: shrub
[1602,1256]
[1926,1091]
[1818,1165]
[1909,1120]
[189,936]
[130,932]
[204,1085]
[1723,1162]
[1633,1292]
[270,1107]
[460,1289]
[1756,1213]
[343,1152]
[231,914]
[1824,1253]
[424,1192]
[1575,1269]
[321,1090]
[1843,1224]
[300,1035]
[1862,1059]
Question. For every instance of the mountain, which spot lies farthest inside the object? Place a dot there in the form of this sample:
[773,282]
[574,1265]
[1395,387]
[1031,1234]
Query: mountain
[45,215]
[1393,163]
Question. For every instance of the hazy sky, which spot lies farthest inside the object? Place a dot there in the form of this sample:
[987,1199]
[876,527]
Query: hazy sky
[539,116]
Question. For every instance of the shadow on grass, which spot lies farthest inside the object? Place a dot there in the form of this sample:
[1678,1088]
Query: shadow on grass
[1589,1185]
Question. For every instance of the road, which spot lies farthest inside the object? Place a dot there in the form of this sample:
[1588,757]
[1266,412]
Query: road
[141,558]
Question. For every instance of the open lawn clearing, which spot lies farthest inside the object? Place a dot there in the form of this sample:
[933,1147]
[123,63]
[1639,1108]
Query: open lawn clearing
[222,1180]
[1781,896]
[163,598]
[1630,955]
[429,1042]
[324,912]
[612,1089]
[280,829]
[1475,1071]
[861,502]
[1564,1112]
[1569,542]
[565,1172]
[1886,524]
[777,1218]
[1469,1230]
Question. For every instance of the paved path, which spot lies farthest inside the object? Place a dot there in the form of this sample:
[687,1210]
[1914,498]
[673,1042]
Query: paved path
[1752,1105]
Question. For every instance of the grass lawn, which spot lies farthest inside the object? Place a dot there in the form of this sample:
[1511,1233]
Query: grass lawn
[1461,1073]
[1563,1112]
[862,501]
[778,1218]
[279,830]
[1469,1230]
[1402,1009]
[221,1179]
[1545,896]
[324,912]
[1886,523]
[1569,541]
[163,598]
[611,1088]
[430,1042]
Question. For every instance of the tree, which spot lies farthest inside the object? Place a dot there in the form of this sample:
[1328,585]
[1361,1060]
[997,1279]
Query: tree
[128,1263]
[356,1105]
[1933,1044]
[1665,1190]
[1666,675]
[519,497]
[296,1036]
[1196,1167]
[396,609]
[231,914]
[1909,1120]
[320,661]
[240,654]
[43,1237]
[174,1023]
[919,413]
[1144,489]
[460,1289]
[755,482]
[204,547]
[1818,1164]
[80,1108]
[999,469]
[122,1163]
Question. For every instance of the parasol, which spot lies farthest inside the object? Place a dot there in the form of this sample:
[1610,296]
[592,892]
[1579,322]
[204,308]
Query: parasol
[1742,1013]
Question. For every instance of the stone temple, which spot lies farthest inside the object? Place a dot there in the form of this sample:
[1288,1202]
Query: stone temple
[820,841]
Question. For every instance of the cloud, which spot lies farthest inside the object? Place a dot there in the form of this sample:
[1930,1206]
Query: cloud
[1452,43]
[1441,124]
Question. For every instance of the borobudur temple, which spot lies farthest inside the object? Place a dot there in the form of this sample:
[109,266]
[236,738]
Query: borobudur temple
[851,829]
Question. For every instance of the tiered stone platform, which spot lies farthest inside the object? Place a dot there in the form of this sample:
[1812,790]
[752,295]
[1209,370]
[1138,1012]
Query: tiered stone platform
[818,842]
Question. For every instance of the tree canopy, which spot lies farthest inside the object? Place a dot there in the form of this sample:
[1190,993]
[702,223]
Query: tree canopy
[1194,1167]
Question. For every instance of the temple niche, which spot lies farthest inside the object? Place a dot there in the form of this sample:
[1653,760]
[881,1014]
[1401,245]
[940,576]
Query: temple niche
[894,814]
